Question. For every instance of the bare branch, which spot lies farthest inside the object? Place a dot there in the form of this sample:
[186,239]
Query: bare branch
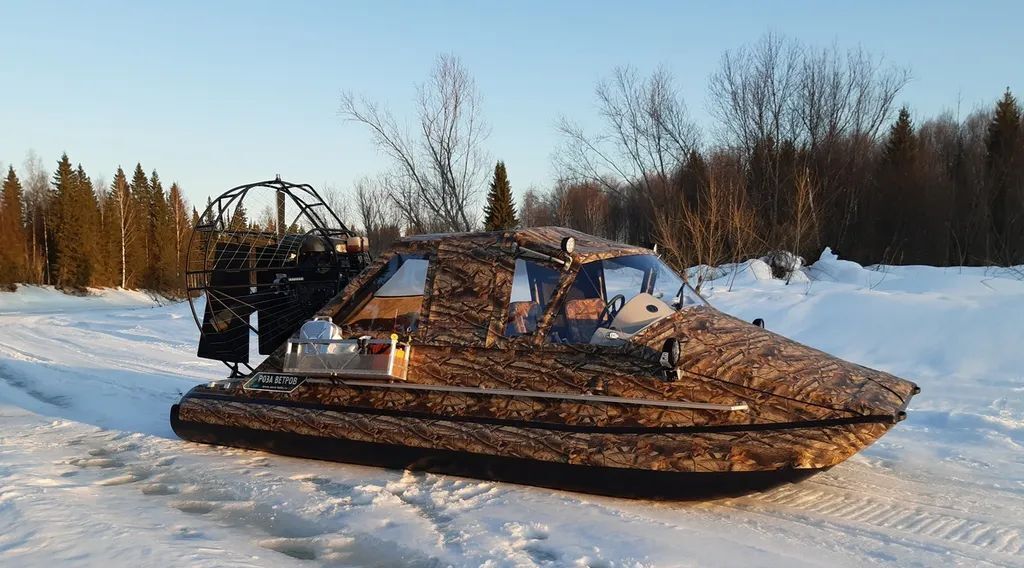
[438,172]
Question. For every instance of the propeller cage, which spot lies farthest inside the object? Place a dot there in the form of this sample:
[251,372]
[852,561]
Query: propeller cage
[263,258]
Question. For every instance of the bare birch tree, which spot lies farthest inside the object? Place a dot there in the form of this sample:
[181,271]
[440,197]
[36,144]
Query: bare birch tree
[440,166]
[37,206]
[646,133]
[380,223]
[645,136]
[338,201]
[124,208]
[831,105]
[753,92]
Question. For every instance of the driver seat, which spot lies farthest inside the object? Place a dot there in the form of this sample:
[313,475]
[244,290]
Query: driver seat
[522,318]
[581,316]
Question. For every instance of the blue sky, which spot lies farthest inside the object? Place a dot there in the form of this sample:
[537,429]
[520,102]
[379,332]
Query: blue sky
[214,94]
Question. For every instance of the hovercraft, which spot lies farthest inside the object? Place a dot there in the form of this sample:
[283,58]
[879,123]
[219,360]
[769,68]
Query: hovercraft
[541,356]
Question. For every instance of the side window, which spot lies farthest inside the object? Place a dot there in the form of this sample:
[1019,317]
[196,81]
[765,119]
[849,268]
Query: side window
[532,287]
[397,297]
[577,320]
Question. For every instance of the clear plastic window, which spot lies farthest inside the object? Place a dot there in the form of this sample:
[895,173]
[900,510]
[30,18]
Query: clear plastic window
[600,282]
[397,297]
[622,280]
[532,287]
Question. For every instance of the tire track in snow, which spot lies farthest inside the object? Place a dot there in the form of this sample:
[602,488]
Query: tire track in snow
[53,359]
[897,516]
[82,343]
[898,511]
[20,383]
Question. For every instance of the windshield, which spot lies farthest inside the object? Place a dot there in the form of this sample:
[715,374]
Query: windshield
[600,282]
[632,275]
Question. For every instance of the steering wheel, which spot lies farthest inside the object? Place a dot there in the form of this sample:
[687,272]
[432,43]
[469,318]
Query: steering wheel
[609,311]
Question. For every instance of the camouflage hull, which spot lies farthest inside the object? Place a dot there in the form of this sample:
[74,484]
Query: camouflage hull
[619,482]
[676,462]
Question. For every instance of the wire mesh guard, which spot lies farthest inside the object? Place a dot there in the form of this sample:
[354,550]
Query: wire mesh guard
[262,259]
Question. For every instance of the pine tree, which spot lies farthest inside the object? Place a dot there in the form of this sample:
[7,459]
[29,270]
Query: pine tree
[901,145]
[209,217]
[58,199]
[140,254]
[163,261]
[500,212]
[1004,161]
[239,219]
[13,244]
[180,225]
[87,229]
[193,247]
[65,217]
[896,189]
[75,225]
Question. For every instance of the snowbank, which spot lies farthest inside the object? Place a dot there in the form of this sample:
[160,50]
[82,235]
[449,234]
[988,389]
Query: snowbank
[30,298]
[955,331]
[91,475]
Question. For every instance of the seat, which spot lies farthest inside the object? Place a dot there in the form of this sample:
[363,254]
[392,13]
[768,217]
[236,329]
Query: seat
[581,315]
[522,318]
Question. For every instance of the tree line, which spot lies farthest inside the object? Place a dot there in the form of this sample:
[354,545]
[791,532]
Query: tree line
[808,148]
[63,229]
[944,191]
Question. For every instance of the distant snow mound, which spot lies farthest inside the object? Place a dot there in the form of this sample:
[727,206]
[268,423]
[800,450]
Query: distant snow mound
[745,273]
[759,269]
[830,268]
[703,275]
[784,264]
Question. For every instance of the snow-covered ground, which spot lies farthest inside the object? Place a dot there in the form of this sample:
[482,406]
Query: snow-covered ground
[90,473]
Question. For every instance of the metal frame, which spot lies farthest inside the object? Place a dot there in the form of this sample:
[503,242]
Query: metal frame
[311,206]
[388,373]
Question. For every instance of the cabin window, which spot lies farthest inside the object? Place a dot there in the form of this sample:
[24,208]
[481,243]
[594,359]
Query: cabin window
[599,282]
[397,297]
[581,307]
[622,279]
[532,287]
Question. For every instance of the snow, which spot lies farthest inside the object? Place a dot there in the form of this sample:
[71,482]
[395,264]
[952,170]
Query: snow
[91,475]
[46,299]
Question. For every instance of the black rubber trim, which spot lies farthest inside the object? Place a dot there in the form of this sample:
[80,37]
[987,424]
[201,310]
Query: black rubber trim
[619,482]
[555,427]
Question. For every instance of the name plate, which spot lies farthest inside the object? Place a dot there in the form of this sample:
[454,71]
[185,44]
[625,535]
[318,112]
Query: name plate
[274,382]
